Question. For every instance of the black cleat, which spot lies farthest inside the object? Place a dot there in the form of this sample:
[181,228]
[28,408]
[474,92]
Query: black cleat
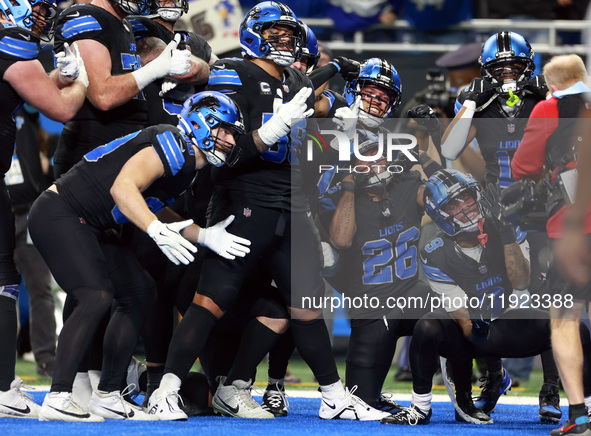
[387,404]
[466,411]
[274,400]
[494,386]
[408,416]
[550,412]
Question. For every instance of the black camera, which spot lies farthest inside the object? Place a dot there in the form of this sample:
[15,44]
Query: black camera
[437,95]
[525,204]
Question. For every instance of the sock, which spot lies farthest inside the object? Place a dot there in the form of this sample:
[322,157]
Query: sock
[170,382]
[333,390]
[494,366]
[276,381]
[155,374]
[188,340]
[422,401]
[8,325]
[82,389]
[280,354]
[588,402]
[257,340]
[577,413]
[95,378]
[313,344]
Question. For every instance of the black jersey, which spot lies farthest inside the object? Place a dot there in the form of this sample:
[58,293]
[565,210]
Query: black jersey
[444,262]
[92,22]
[499,135]
[164,110]
[272,179]
[382,260]
[16,44]
[86,187]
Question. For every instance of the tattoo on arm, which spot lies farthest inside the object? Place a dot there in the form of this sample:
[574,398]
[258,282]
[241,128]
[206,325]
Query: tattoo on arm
[149,48]
[518,269]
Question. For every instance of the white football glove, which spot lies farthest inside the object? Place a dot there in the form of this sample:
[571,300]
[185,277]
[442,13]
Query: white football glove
[330,256]
[171,242]
[285,117]
[70,65]
[171,62]
[167,85]
[345,119]
[227,245]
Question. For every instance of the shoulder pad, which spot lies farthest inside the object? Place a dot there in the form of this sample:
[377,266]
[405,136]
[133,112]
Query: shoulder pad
[18,44]
[172,147]
[224,72]
[79,19]
[138,25]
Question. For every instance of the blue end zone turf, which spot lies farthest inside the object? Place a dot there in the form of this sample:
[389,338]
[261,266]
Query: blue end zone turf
[302,420]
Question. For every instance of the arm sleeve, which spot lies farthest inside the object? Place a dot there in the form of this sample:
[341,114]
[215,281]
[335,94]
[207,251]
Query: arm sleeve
[456,139]
[323,74]
[530,156]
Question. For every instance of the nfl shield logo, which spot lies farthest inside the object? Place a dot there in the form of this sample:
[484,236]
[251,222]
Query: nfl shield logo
[483,269]
[285,88]
[247,212]
[511,128]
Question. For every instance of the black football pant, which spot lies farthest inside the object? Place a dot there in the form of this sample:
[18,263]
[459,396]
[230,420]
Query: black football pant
[93,267]
[517,333]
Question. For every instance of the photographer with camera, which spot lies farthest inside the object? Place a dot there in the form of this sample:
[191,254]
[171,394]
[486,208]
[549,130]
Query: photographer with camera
[547,145]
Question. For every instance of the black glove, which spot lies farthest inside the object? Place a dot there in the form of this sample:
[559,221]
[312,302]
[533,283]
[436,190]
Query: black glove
[348,68]
[480,91]
[403,160]
[490,202]
[537,86]
[425,116]
[361,179]
[480,329]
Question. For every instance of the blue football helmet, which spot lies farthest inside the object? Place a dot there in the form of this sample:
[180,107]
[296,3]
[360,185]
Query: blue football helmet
[169,13]
[376,72]
[443,191]
[506,59]
[310,53]
[38,16]
[265,16]
[135,7]
[205,111]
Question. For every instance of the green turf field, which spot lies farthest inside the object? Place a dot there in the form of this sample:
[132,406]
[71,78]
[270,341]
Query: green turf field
[26,371]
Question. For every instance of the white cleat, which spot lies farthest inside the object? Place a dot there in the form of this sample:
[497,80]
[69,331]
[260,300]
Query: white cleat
[82,390]
[59,406]
[112,405]
[14,403]
[351,407]
[236,400]
[165,405]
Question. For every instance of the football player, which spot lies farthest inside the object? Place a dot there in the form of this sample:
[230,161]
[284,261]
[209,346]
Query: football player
[165,96]
[130,179]
[23,25]
[474,264]
[264,191]
[494,110]
[376,228]
[115,105]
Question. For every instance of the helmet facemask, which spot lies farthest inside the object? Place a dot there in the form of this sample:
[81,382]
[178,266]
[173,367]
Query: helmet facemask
[374,103]
[171,11]
[462,210]
[284,49]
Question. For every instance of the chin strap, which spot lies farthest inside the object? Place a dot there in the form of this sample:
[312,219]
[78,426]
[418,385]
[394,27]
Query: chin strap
[483,237]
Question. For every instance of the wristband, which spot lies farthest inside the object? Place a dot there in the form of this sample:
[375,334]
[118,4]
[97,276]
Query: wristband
[507,235]
[348,186]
